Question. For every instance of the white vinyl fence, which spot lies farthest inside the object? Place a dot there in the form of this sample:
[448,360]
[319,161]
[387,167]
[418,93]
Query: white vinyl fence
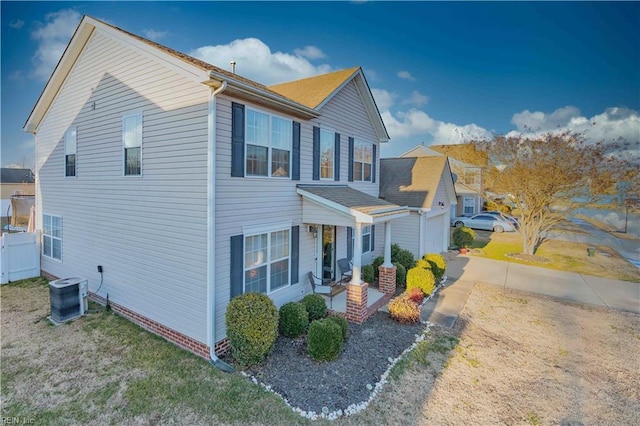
[20,257]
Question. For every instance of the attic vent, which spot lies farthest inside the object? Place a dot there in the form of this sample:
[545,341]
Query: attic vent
[233,66]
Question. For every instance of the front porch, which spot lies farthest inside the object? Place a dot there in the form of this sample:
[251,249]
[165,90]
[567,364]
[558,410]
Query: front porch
[375,300]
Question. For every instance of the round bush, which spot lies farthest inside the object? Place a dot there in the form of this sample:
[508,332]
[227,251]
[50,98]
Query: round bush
[342,322]
[403,310]
[422,279]
[367,274]
[315,305]
[402,256]
[294,319]
[401,275]
[463,236]
[421,263]
[377,262]
[415,295]
[438,264]
[324,340]
[252,327]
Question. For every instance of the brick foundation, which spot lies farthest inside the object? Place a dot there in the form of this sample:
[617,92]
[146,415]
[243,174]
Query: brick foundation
[357,299]
[387,279]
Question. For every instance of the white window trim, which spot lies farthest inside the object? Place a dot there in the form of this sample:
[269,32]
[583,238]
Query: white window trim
[268,261]
[124,162]
[471,202]
[75,152]
[353,239]
[355,146]
[44,215]
[268,146]
[333,147]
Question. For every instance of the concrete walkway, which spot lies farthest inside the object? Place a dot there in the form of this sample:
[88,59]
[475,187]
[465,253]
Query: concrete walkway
[465,271]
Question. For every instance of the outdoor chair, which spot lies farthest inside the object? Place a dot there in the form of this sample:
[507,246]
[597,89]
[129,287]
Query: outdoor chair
[325,287]
[345,268]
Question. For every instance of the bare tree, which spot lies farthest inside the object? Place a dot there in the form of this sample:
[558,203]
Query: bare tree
[547,176]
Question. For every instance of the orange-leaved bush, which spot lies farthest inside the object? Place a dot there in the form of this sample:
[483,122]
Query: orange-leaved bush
[415,295]
[403,310]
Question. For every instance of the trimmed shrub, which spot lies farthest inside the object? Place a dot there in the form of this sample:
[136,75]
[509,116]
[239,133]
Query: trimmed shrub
[377,262]
[367,274]
[421,263]
[342,322]
[252,327]
[463,236]
[438,264]
[415,295]
[404,310]
[401,275]
[402,256]
[294,319]
[422,279]
[315,305]
[324,340]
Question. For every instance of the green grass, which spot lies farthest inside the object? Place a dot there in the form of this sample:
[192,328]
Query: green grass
[419,356]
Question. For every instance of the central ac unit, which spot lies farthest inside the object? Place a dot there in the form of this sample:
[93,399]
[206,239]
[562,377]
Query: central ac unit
[68,298]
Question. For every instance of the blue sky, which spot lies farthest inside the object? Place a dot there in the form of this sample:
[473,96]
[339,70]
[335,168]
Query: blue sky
[441,73]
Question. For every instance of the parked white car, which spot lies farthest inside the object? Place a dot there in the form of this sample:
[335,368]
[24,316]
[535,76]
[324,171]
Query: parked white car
[483,221]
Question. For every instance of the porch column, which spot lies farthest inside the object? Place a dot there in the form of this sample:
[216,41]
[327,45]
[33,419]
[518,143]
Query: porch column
[357,298]
[387,271]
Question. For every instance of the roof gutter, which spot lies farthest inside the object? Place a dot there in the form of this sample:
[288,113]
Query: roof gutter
[267,96]
[211,230]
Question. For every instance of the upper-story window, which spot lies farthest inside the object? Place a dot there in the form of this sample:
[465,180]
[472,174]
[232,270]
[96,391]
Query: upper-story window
[132,144]
[268,145]
[70,149]
[327,154]
[362,161]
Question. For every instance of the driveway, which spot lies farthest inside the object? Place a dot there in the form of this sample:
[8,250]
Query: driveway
[464,271]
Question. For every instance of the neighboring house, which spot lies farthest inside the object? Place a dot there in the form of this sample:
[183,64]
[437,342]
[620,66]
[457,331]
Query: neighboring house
[190,184]
[14,182]
[425,184]
[467,178]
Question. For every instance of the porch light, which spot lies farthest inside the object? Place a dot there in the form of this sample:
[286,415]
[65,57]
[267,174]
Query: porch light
[314,230]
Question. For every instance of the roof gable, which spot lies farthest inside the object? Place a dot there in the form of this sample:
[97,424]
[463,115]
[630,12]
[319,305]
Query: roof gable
[414,181]
[315,92]
[9,175]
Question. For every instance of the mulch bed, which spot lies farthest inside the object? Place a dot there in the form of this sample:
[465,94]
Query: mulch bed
[335,385]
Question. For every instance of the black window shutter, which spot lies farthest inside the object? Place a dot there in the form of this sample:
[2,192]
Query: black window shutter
[316,153]
[351,149]
[237,265]
[295,254]
[373,165]
[336,173]
[349,243]
[373,237]
[295,154]
[237,140]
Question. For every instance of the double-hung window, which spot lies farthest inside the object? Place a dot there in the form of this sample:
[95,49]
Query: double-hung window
[327,154]
[52,237]
[468,204]
[268,145]
[132,144]
[267,261]
[70,149]
[362,161]
[366,240]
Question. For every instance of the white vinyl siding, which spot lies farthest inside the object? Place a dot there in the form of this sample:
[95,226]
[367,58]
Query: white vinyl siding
[52,237]
[150,234]
[405,231]
[268,144]
[132,144]
[70,152]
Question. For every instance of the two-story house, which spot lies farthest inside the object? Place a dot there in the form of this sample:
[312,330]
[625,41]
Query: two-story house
[188,184]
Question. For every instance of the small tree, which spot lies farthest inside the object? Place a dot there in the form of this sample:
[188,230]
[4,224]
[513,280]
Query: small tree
[545,177]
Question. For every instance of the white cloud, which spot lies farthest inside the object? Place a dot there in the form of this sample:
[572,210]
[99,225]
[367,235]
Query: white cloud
[52,37]
[384,99]
[154,35]
[406,75]
[310,52]
[17,24]
[256,61]
[616,124]
[16,76]
[416,99]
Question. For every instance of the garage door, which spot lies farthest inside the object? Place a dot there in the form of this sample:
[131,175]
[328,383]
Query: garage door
[434,238]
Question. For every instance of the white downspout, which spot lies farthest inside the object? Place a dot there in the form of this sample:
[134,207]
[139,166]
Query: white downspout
[421,224]
[211,229]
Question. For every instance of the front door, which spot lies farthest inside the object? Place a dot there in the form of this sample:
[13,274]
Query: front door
[328,251]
